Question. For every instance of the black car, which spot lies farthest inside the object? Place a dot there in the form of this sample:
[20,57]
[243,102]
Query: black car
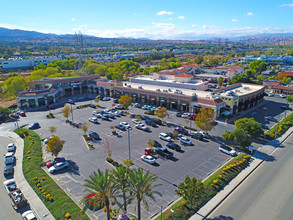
[94,135]
[164,152]
[132,116]
[157,121]
[196,135]
[173,146]
[8,170]
[151,123]
[115,100]
[143,117]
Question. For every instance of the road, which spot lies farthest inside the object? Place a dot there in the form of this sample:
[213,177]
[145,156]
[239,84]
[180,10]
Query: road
[266,194]
[6,210]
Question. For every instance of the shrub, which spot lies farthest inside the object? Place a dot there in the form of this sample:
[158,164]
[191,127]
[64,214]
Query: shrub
[38,185]
[109,159]
[43,178]
[35,178]
[28,158]
[116,164]
[67,215]
[114,132]
[178,214]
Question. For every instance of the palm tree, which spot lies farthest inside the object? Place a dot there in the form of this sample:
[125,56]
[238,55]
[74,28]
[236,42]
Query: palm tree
[100,185]
[120,180]
[140,187]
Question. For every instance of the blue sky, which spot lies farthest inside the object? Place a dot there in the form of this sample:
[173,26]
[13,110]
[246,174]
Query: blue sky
[154,19]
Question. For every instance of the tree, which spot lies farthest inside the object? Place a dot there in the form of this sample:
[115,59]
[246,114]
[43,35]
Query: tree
[97,100]
[191,190]
[54,146]
[238,136]
[140,185]
[240,78]
[161,113]
[258,66]
[289,98]
[52,130]
[205,119]
[250,126]
[125,100]
[260,79]
[120,182]
[100,185]
[14,85]
[220,81]
[107,147]
[4,112]
[66,111]
[84,127]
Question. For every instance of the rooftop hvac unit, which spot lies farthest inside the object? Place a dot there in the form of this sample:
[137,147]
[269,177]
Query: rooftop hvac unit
[140,87]
[245,87]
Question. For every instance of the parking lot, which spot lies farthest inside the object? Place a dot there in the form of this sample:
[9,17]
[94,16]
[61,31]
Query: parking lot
[196,161]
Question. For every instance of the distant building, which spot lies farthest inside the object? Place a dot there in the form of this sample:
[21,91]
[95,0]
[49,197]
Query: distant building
[19,63]
[274,60]
[286,73]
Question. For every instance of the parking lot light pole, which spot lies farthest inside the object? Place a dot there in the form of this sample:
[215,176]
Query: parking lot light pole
[129,143]
[71,112]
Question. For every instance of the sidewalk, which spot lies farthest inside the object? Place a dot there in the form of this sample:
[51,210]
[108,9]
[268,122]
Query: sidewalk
[257,158]
[36,204]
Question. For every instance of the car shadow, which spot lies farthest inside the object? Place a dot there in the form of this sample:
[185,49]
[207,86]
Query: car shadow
[73,168]
[181,151]
[170,125]
[155,164]
[174,159]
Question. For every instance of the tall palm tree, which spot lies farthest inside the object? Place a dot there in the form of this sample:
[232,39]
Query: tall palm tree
[100,191]
[140,187]
[120,181]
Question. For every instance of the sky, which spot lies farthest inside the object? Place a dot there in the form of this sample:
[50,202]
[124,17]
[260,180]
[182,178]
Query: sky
[152,19]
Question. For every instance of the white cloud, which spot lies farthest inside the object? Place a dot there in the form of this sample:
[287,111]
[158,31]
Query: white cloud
[170,19]
[208,26]
[72,19]
[235,20]
[287,5]
[163,25]
[249,14]
[181,17]
[165,13]
[194,25]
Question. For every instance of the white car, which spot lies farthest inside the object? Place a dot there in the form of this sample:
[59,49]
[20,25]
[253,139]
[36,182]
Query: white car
[11,147]
[9,158]
[142,127]
[271,94]
[283,96]
[125,124]
[185,115]
[29,215]
[165,137]
[94,113]
[94,120]
[148,159]
[58,166]
[10,185]
[227,150]
[47,140]
[136,121]
[185,140]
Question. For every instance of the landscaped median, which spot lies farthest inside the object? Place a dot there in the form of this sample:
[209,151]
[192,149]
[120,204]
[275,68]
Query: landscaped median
[56,200]
[212,185]
[282,127]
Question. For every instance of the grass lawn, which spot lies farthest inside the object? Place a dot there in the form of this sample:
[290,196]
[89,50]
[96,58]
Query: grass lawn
[179,206]
[283,126]
[34,174]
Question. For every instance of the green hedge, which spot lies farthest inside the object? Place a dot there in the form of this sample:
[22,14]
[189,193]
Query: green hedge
[34,174]
[283,126]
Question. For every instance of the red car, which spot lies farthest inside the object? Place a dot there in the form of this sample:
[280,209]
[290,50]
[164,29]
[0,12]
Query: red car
[181,130]
[54,161]
[193,117]
[22,114]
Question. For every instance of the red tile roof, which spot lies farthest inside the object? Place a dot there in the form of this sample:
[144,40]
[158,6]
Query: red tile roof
[191,65]
[286,73]
[184,75]
[283,88]
[167,73]
[236,67]
[215,102]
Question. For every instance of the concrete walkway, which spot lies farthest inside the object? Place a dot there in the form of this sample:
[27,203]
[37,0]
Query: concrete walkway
[36,204]
[259,156]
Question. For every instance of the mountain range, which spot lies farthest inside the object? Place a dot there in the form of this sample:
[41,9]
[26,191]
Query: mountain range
[34,36]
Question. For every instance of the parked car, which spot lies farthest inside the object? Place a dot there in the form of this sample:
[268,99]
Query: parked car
[121,127]
[137,105]
[227,150]
[148,158]
[204,134]
[173,146]
[164,152]
[58,166]
[94,135]
[271,94]
[47,139]
[149,112]
[54,161]
[93,106]
[157,121]
[11,147]
[142,127]
[22,114]
[111,115]
[185,141]
[283,95]
[165,137]
[93,120]
[178,114]
[70,101]
[29,215]
[136,121]
[144,107]
[14,115]
[9,158]
[270,118]
[99,97]
[119,107]
[8,170]
[185,115]
[144,117]
[192,117]
[196,135]
[181,130]
[106,99]
[10,185]
[116,100]
[132,116]
[34,125]
[125,124]
[103,116]
[151,123]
